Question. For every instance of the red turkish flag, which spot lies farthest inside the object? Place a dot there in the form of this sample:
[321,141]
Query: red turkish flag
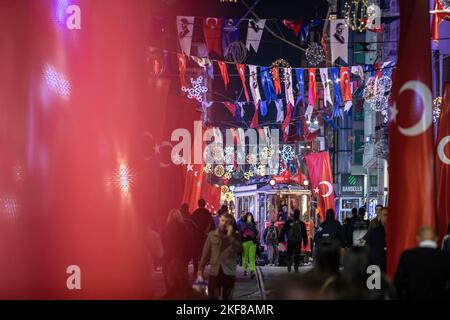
[276,79]
[213,35]
[437,19]
[312,95]
[411,161]
[345,84]
[196,185]
[321,179]
[224,72]
[293,25]
[241,71]
[182,68]
[443,165]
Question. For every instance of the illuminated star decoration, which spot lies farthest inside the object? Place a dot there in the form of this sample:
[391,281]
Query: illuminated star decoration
[197,90]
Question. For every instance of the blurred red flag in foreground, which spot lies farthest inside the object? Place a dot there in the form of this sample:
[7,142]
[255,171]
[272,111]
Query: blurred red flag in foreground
[443,165]
[411,161]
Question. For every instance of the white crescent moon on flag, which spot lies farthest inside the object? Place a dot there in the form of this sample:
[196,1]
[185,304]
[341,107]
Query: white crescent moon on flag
[330,188]
[165,144]
[427,114]
[441,150]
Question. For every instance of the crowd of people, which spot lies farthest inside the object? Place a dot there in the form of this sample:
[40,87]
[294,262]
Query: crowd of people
[342,255]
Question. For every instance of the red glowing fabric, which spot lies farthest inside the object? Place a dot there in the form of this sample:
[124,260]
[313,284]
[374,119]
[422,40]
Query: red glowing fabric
[276,79]
[254,123]
[182,68]
[443,165]
[411,147]
[82,135]
[213,35]
[231,107]
[196,185]
[312,95]
[345,84]
[286,122]
[321,179]
[293,25]
[224,72]
[437,19]
[241,71]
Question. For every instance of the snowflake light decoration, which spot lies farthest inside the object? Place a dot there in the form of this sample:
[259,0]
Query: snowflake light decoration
[376,94]
[261,170]
[314,54]
[251,158]
[248,175]
[207,168]
[219,170]
[229,155]
[287,153]
[267,153]
[197,91]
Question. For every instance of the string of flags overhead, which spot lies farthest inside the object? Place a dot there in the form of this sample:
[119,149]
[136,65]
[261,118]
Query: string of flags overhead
[337,86]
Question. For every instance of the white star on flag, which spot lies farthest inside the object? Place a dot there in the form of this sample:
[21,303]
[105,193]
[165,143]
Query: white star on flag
[156,148]
[189,167]
[394,112]
[316,190]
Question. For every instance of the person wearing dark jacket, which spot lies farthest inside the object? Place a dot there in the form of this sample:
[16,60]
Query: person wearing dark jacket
[295,231]
[377,242]
[330,229]
[423,273]
[205,223]
[250,241]
[221,249]
[174,260]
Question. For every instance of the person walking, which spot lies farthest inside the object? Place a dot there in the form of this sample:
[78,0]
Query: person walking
[221,249]
[205,223]
[330,229]
[423,273]
[375,222]
[294,230]
[174,260]
[358,229]
[270,237]
[249,236]
[377,242]
[445,247]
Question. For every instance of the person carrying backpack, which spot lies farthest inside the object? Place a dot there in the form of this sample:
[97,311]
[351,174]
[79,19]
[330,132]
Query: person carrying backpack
[295,232]
[271,240]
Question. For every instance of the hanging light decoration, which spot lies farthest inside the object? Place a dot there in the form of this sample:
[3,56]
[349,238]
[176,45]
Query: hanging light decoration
[376,92]
[314,54]
[219,170]
[236,52]
[437,102]
[355,14]
[445,4]
[197,90]
[287,153]
[281,64]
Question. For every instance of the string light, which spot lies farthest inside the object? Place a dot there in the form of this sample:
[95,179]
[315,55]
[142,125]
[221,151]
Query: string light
[355,14]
